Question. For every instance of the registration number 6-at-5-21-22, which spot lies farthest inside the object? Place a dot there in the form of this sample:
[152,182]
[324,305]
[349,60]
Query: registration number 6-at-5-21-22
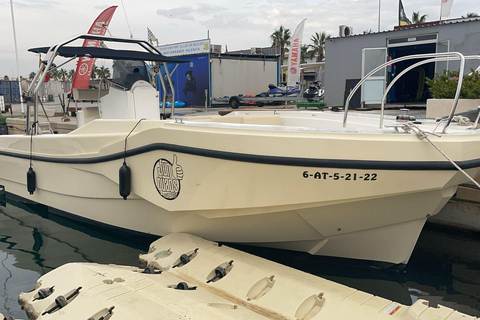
[340,176]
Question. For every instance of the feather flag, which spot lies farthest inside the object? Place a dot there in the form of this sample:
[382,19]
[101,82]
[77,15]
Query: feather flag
[47,77]
[81,80]
[446,6]
[151,37]
[293,68]
[402,17]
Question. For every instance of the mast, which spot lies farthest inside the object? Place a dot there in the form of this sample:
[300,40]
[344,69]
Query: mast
[16,57]
[379,15]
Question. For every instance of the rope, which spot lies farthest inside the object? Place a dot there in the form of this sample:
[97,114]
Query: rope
[31,141]
[423,135]
[125,150]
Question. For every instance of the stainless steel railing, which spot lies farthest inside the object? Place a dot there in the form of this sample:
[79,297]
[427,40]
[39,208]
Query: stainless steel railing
[413,66]
[433,57]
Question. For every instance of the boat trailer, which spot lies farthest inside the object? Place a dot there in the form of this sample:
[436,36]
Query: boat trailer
[305,95]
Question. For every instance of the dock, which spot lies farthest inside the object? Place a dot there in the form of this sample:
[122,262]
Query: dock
[187,277]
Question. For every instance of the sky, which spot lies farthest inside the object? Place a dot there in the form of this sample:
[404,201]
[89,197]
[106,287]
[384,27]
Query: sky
[237,24]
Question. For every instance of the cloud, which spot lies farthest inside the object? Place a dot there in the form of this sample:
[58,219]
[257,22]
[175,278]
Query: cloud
[239,23]
[30,4]
[182,13]
[190,12]
[102,6]
[229,21]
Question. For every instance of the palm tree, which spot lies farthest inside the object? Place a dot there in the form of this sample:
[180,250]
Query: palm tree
[281,38]
[54,74]
[103,73]
[70,74]
[318,46]
[471,15]
[416,18]
[94,72]
[304,54]
[62,74]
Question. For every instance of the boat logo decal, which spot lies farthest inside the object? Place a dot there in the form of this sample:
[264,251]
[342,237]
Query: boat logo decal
[83,69]
[167,177]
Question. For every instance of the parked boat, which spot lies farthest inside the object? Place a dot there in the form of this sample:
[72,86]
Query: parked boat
[188,277]
[299,180]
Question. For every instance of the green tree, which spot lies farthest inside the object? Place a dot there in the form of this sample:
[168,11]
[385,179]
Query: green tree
[304,53]
[54,74]
[70,74]
[62,75]
[471,15]
[94,72]
[318,46]
[281,38]
[416,18]
[444,86]
[32,75]
[6,78]
[103,72]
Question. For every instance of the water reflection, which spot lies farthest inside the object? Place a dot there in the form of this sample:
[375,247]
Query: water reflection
[3,196]
[33,242]
[444,268]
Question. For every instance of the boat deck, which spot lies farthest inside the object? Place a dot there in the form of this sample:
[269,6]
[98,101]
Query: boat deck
[320,121]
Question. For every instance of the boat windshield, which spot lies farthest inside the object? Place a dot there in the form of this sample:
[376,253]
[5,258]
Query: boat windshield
[127,72]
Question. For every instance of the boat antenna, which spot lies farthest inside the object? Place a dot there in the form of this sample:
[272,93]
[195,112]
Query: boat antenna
[16,56]
[126,18]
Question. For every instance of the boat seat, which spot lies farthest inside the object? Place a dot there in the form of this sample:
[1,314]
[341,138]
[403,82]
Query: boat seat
[200,119]
[232,119]
[273,120]
[265,120]
[229,119]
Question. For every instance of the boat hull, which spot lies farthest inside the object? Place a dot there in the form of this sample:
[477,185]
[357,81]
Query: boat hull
[241,188]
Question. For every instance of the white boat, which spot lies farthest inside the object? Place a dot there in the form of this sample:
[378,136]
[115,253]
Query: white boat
[190,278]
[298,180]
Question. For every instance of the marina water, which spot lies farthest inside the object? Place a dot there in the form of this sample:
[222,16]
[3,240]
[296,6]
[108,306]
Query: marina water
[444,268]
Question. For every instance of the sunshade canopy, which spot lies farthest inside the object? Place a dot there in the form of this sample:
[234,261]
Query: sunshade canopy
[107,53]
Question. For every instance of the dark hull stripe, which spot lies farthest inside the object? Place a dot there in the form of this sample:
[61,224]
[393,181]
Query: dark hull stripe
[253,158]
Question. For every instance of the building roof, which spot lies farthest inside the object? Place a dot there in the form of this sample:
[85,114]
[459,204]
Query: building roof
[435,23]
[236,55]
[258,51]
[417,26]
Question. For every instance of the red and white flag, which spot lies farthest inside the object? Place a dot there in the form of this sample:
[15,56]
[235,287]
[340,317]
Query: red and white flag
[85,64]
[446,6]
[293,67]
